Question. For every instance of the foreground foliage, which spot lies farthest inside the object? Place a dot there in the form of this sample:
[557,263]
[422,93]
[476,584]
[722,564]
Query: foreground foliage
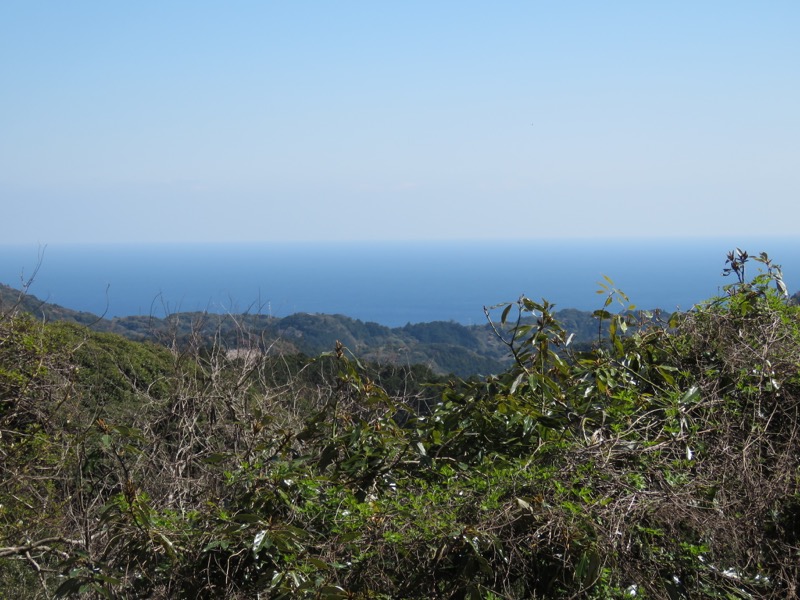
[663,463]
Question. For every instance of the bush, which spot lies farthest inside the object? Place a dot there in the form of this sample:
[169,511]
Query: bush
[660,463]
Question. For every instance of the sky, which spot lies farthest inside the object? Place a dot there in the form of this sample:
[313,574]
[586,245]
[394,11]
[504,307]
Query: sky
[204,121]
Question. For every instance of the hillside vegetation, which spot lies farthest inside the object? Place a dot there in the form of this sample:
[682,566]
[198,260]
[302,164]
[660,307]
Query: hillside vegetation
[444,347]
[660,463]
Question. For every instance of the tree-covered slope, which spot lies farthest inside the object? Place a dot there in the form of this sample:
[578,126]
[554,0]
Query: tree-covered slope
[445,347]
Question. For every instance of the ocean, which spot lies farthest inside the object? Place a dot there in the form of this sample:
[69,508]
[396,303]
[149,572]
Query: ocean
[391,283]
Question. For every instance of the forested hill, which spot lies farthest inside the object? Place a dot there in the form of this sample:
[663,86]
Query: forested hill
[445,346]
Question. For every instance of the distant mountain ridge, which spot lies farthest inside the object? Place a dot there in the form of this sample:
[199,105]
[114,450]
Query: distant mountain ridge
[444,346]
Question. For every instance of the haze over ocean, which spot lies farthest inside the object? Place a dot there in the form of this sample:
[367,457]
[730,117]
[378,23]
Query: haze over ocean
[391,283]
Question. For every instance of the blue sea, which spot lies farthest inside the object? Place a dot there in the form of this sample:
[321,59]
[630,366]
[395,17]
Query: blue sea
[391,283]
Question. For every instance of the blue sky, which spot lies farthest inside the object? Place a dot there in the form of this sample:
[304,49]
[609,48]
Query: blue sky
[250,121]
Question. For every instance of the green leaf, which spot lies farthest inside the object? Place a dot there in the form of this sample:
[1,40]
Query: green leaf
[781,286]
[70,587]
[319,564]
[167,544]
[664,372]
[261,540]
[246,518]
[329,452]
[524,505]
[516,383]
[222,544]
[215,458]
[108,579]
[332,592]
[504,316]
[691,396]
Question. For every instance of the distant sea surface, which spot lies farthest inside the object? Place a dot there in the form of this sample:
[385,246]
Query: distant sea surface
[390,283]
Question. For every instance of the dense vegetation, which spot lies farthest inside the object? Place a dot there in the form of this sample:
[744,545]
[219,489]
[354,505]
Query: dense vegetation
[661,463]
[445,347]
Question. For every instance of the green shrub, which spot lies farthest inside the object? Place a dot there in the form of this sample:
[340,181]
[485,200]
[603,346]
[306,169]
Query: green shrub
[661,462]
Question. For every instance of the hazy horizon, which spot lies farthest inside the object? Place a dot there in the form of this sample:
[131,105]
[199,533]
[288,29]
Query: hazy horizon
[390,283]
[259,121]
